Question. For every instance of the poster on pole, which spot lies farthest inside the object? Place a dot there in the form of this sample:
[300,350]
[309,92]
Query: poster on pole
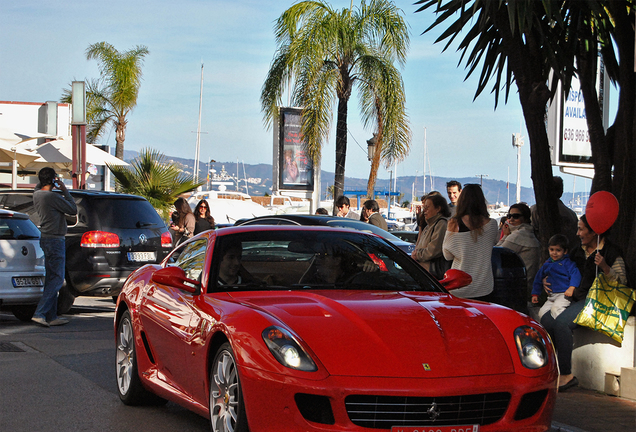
[296,168]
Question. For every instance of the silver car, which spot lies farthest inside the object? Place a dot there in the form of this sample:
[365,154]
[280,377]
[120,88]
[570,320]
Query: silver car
[21,264]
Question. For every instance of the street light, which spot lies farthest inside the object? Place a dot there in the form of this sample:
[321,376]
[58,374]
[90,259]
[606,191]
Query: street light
[371,146]
[78,131]
[517,141]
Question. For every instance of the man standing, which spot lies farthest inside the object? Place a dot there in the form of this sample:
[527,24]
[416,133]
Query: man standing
[344,209]
[454,189]
[371,210]
[52,208]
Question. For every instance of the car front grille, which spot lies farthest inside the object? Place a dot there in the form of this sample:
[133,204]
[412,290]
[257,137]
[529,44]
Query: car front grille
[383,412]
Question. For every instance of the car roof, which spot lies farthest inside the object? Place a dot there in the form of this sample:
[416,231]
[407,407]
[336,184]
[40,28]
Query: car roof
[322,220]
[12,214]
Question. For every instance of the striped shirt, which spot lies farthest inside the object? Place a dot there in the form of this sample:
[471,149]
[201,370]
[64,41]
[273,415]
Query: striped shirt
[473,257]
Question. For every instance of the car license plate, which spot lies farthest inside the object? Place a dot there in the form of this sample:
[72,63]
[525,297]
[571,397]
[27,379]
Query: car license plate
[471,428]
[29,281]
[141,256]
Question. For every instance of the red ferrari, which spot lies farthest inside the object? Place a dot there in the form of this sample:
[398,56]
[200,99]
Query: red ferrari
[265,328]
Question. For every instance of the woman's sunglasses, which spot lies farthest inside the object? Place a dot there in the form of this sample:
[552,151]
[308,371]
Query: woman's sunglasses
[514,215]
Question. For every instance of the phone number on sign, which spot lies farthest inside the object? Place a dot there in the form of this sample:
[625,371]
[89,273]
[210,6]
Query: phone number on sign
[576,135]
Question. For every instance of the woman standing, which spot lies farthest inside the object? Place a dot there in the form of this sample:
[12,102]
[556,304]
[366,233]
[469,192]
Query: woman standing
[429,242]
[183,221]
[469,240]
[204,220]
[518,236]
[592,254]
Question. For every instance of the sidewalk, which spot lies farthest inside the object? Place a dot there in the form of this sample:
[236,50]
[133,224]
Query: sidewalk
[579,410]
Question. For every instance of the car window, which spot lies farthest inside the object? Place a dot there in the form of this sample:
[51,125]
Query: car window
[192,258]
[18,229]
[125,213]
[307,260]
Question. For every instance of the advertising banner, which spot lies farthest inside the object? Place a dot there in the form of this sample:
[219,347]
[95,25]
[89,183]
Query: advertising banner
[296,169]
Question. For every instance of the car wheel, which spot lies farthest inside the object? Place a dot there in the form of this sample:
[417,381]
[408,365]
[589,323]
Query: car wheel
[65,300]
[129,386]
[24,312]
[227,409]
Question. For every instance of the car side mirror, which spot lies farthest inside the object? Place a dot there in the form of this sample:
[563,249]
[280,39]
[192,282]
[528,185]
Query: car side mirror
[174,276]
[454,279]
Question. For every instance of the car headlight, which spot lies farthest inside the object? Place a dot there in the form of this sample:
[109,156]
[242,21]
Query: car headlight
[531,347]
[287,350]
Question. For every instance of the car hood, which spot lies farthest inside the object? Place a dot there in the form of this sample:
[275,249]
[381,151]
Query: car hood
[390,334]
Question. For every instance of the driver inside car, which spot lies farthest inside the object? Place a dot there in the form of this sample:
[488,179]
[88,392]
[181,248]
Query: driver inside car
[230,266]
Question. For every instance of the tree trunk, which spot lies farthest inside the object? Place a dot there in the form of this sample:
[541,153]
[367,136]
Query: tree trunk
[525,60]
[375,165]
[120,137]
[341,150]
[586,61]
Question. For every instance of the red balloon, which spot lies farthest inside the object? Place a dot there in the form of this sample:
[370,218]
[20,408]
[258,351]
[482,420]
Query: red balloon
[601,211]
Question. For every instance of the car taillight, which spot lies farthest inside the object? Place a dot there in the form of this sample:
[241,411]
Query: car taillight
[166,240]
[95,239]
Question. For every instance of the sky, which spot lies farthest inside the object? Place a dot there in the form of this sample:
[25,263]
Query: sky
[43,45]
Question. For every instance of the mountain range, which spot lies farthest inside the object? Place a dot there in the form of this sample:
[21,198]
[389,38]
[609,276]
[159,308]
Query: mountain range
[496,191]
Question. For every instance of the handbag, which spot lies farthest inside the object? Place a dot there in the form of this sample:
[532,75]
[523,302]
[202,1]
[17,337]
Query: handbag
[607,307]
[438,267]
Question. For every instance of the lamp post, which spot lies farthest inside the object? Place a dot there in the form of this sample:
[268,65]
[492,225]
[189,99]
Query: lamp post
[517,141]
[78,132]
[371,142]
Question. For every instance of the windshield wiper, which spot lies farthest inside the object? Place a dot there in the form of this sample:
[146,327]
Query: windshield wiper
[141,224]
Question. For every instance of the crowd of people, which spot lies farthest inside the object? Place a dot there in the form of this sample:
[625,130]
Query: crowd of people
[463,233]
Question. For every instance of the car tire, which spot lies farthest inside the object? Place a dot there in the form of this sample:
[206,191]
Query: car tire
[227,409]
[65,300]
[24,312]
[131,390]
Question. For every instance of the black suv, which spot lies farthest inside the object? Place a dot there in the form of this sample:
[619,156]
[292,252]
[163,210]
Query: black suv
[112,235]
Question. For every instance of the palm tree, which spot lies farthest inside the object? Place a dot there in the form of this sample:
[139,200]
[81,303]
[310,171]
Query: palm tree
[329,53]
[114,95]
[152,177]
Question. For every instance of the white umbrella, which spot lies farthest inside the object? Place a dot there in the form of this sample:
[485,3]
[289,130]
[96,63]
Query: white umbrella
[60,153]
[12,150]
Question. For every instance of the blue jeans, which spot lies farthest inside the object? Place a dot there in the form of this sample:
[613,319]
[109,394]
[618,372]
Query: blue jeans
[560,330]
[54,263]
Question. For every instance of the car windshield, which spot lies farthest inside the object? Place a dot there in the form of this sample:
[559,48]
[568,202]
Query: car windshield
[303,260]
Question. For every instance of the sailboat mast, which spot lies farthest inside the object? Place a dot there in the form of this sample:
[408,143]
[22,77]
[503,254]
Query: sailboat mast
[198,147]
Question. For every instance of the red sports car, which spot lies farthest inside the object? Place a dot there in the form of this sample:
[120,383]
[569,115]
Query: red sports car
[318,329]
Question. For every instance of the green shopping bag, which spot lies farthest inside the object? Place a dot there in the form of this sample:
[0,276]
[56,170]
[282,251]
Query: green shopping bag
[607,307]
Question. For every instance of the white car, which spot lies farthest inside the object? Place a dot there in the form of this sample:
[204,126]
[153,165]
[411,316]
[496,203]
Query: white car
[21,264]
